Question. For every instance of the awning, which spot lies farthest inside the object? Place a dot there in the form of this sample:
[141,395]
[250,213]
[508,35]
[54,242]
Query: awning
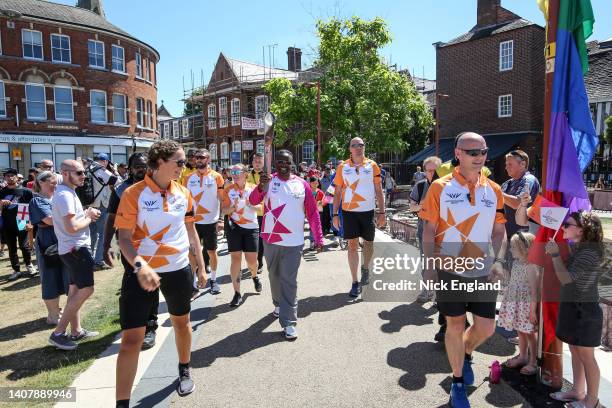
[498,145]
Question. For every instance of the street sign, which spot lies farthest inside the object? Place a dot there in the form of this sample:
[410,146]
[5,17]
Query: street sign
[247,145]
[16,154]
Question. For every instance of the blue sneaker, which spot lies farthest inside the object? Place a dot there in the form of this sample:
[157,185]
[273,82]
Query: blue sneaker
[468,373]
[458,396]
[355,290]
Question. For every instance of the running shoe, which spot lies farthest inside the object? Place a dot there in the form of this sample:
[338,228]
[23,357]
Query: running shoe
[237,300]
[62,342]
[84,334]
[276,312]
[365,276]
[257,283]
[439,337]
[458,396]
[343,244]
[355,290]
[259,269]
[215,289]
[468,373]
[31,270]
[149,340]
[290,332]
[185,385]
[15,275]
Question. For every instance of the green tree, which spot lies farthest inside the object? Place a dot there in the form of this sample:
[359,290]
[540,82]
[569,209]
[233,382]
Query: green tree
[360,95]
[608,134]
[192,108]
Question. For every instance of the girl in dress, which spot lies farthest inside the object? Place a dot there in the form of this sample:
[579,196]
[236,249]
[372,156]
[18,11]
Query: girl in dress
[519,308]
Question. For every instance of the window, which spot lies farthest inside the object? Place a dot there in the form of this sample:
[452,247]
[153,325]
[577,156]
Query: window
[506,55]
[60,48]
[97,102]
[96,53]
[5,160]
[119,154]
[64,152]
[40,152]
[235,112]
[185,125]
[212,150]
[223,112]
[212,116]
[224,150]
[63,103]
[175,129]
[31,42]
[147,71]
[140,112]
[119,109]
[505,106]
[2,100]
[261,106]
[36,103]
[149,117]
[167,130]
[138,65]
[308,151]
[118,58]
[237,146]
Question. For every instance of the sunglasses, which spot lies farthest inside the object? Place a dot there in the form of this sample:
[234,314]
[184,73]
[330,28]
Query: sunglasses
[78,172]
[180,162]
[201,157]
[235,172]
[283,162]
[139,166]
[567,225]
[516,154]
[476,152]
[356,145]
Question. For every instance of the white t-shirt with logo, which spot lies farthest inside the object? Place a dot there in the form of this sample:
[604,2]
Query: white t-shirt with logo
[65,202]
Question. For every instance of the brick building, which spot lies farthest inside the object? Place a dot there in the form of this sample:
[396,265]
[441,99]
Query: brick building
[187,130]
[72,84]
[494,76]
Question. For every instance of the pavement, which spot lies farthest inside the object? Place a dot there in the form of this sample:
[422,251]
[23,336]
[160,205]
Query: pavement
[348,353]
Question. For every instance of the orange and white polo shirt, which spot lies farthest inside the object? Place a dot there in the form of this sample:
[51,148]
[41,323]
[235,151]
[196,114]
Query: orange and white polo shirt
[245,214]
[357,184]
[205,190]
[464,214]
[157,218]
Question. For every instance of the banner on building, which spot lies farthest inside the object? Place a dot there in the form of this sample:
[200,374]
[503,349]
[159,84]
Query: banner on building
[247,145]
[252,124]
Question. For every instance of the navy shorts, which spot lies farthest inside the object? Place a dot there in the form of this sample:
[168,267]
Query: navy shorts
[80,265]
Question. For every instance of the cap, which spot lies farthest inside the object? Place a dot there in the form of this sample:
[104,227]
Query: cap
[10,170]
[101,156]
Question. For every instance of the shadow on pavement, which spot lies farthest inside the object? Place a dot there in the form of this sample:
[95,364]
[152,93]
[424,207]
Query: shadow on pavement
[158,397]
[497,346]
[536,394]
[327,303]
[21,283]
[18,331]
[418,360]
[412,314]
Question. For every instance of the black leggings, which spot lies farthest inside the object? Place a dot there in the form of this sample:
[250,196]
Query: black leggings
[11,238]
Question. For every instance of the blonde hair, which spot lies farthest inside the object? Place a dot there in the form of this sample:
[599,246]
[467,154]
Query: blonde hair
[432,159]
[522,241]
[41,178]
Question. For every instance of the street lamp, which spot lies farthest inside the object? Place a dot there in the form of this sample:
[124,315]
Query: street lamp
[437,135]
[318,85]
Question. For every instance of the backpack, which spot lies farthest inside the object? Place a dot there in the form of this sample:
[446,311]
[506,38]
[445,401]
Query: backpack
[87,192]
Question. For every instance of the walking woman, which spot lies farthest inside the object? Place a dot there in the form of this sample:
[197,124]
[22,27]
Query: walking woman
[580,319]
[156,228]
[243,233]
[53,275]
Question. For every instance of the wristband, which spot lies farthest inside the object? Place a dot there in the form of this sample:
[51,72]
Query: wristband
[335,215]
[555,255]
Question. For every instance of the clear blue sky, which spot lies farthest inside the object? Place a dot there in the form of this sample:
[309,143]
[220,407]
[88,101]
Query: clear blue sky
[189,34]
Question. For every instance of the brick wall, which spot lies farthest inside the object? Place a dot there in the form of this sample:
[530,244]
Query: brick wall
[14,70]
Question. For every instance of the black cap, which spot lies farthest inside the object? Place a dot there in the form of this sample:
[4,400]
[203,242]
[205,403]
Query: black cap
[11,170]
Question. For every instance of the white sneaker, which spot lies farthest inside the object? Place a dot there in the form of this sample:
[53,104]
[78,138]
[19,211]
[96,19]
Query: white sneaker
[290,332]
[276,311]
[31,269]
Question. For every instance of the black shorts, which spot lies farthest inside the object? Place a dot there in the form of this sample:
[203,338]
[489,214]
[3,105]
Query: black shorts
[358,224]
[457,302]
[208,235]
[242,239]
[135,302]
[80,265]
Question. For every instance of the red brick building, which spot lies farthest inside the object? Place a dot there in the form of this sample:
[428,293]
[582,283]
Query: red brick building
[494,76]
[72,84]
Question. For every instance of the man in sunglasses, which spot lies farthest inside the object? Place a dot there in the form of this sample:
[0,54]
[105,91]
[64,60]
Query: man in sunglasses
[358,185]
[464,222]
[71,225]
[205,186]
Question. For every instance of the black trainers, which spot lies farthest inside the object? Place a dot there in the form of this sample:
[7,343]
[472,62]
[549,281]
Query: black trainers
[14,276]
[355,290]
[237,300]
[149,340]
[439,337]
[186,385]
[215,289]
[257,283]
[365,276]
[62,342]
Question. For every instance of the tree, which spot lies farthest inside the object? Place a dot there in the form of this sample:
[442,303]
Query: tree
[192,108]
[360,95]
[609,129]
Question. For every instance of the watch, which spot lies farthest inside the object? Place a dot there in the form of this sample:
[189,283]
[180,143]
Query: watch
[137,266]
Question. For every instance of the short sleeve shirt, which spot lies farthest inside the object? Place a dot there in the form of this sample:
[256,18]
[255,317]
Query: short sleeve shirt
[66,202]
[41,208]
[357,184]
[245,214]
[464,214]
[157,220]
[515,188]
[204,189]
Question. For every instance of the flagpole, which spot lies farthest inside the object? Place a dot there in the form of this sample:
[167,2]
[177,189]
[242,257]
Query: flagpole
[550,360]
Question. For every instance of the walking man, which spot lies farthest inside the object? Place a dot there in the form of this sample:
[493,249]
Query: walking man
[358,186]
[71,226]
[464,218]
[287,198]
[253,178]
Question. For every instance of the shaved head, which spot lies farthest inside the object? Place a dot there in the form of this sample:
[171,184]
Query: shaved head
[469,139]
[356,139]
[70,165]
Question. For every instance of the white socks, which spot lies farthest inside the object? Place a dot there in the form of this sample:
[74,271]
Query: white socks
[213,274]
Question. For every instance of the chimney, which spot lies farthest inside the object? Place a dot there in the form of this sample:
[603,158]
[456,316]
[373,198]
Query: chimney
[92,5]
[487,12]
[294,59]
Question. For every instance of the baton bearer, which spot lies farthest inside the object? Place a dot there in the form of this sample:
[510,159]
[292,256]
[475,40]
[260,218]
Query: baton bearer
[269,121]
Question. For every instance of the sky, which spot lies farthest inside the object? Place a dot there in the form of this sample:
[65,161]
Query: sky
[190,34]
